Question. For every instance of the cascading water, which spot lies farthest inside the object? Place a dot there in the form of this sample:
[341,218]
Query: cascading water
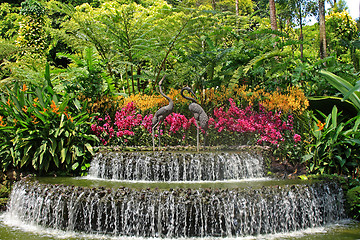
[175,211]
[176,166]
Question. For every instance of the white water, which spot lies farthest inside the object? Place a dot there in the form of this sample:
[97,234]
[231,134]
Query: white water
[166,166]
[270,212]
[16,226]
[178,212]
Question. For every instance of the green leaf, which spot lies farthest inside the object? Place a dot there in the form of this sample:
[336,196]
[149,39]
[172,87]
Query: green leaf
[303,177]
[75,166]
[63,155]
[334,116]
[307,157]
[56,160]
[89,148]
[342,86]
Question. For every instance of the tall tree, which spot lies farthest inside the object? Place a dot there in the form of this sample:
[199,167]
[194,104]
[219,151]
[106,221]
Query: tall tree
[273,15]
[237,7]
[291,11]
[322,29]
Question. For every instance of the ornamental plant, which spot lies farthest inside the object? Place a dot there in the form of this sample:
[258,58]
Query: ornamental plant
[335,145]
[234,126]
[289,101]
[44,131]
[248,126]
[130,128]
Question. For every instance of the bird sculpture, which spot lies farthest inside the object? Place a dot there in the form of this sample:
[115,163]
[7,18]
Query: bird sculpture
[200,115]
[161,114]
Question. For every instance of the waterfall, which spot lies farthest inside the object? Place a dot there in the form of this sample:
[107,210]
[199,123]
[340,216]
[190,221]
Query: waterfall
[177,166]
[177,212]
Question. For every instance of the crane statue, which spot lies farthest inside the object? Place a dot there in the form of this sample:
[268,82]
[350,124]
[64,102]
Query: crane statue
[200,115]
[161,114]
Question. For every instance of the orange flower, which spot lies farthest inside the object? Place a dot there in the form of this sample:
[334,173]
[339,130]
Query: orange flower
[24,88]
[2,124]
[44,111]
[25,108]
[54,108]
[34,119]
[320,125]
[8,102]
[69,117]
[15,121]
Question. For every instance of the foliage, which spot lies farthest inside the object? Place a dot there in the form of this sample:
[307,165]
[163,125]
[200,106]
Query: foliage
[32,8]
[9,21]
[353,201]
[85,76]
[341,29]
[335,145]
[32,32]
[44,131]
[346,88]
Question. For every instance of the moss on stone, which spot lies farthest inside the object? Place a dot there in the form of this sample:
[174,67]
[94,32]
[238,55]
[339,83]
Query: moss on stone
[353,202]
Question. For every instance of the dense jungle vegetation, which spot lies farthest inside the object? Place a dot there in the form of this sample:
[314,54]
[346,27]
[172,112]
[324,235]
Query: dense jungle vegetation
[84,73]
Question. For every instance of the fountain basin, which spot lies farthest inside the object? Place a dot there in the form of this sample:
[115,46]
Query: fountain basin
[175,211]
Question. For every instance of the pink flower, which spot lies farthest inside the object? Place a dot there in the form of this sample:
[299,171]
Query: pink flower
[297,138]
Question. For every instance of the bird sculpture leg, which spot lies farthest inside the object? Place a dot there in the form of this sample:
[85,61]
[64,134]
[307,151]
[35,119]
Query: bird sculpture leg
[153,138]
[159,134]
[153,134]
[204,139]
[197,136]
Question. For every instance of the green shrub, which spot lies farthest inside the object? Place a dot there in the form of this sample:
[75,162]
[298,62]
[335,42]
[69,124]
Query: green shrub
[353,201]
[44,131]
[335,145]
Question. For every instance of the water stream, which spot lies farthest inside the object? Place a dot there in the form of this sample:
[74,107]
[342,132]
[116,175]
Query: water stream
[177,166]
[177,196]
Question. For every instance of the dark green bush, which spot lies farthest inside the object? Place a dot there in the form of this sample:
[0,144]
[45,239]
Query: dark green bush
[44,131]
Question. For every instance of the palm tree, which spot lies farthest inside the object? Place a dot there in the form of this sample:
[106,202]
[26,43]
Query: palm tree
[322,29]
[273,15]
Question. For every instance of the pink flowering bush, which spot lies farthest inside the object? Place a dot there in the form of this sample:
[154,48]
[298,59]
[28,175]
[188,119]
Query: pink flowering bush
[232,127]
[124,126]
[130,128]
[250,126]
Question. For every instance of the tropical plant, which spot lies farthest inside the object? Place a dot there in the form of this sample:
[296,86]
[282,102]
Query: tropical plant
[32,28]
[349,91]
[85,76]
[335,145]
[43,131]
[9,21]
[341,30]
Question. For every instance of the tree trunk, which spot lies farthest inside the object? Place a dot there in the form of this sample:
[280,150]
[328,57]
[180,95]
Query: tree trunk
[322,29]
[301,37]
[273,15]
[237,7]
[213,4]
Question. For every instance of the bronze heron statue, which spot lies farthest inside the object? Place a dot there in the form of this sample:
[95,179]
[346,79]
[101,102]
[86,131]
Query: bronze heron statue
[161,114]
[200,115]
